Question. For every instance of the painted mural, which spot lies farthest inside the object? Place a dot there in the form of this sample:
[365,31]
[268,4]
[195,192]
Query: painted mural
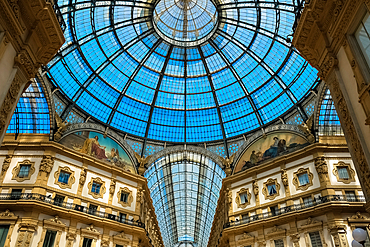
[95,145]
[269,147]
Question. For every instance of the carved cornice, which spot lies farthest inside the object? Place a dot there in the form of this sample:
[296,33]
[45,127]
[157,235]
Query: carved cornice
[45,36]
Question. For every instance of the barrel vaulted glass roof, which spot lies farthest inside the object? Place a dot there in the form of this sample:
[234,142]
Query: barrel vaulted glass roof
[181,70]
[185,188]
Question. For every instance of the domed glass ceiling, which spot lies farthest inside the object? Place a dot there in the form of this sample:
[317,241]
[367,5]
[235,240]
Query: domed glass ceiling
[138,67]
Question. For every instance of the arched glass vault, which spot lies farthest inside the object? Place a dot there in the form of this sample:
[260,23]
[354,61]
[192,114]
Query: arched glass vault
[232,73]
[185,187]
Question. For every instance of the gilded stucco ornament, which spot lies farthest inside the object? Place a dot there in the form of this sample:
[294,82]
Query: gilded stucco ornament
[255,188]
[294,238]
[142,162]
[321,168]
[9,102]
[306,128]
[112,187]
[47,164]
[6,164]
[7,213]
[61,125]
[227,164]
[82,177]
[284,178]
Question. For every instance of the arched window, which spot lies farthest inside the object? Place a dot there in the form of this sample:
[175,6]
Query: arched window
[329,124]
[32,112]
[185,187]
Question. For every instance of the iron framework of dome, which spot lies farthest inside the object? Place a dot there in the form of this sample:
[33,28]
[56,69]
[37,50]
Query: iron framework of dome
[234,72]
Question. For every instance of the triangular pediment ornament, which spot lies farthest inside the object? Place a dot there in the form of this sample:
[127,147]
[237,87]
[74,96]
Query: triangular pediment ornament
[7,213]
[246,236]
[92,229]
[276,229]
[55,220]
[311,221]
[121,235]
[359,216]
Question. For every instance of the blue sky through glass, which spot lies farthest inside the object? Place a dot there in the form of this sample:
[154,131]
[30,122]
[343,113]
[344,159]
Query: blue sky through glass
[117,67]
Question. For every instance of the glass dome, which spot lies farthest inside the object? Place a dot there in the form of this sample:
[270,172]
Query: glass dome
[135,66]
[185,20]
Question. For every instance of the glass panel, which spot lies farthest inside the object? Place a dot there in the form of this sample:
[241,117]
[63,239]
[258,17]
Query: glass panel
[64,177]
[343,172]
[315,239]
[363,37]
[243,198]
[279,243]
[3,234]
[95,188]
[87,242]
[49,238]
[271,189]
[185,188]
[113,54]
[24,170]
[124,197]
[303,179]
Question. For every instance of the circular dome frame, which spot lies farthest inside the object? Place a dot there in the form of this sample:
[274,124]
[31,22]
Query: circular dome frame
[138,83]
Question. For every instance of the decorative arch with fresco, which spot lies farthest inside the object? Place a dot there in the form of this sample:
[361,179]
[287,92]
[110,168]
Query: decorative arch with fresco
[89,139]
[268,146]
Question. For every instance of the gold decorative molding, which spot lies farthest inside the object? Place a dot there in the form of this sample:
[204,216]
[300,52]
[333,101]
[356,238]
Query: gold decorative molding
[265,190]
[8,218]
[296,182]
[129,197]
[284,178]
[7,214]
[71,179]
[276,233]
[121,239]
[351,172]
[322,169]
[6,164]
[82,177]
[358,220]
[17,168]
[11,98]
[53,224]
[102,188]
[112,187]
[47,164]
[246,239]
[89,232]
[238,200]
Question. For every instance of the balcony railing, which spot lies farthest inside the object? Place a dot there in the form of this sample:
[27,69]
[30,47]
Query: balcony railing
[71,206]
[296,208]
